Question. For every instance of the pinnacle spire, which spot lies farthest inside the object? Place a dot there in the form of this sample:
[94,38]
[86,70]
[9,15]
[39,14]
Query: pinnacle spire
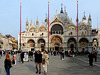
[37,19]
[46,17]
[89,17]
[84,16]
[31,23]
[65,10]
[56,12]
[37,22]
[61,8]
[27,20]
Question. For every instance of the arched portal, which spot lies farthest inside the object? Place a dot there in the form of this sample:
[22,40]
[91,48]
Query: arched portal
[41,44]
[56,43]
[83,44]
[71,44]
[31,45]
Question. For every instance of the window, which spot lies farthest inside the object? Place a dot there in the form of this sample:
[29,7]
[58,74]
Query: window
[82,32]
[71,33]
[23,44]
[32,34]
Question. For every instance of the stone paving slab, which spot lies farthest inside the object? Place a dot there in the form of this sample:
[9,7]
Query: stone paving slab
[68,66]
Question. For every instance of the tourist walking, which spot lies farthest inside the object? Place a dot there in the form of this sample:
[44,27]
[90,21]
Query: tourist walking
[15,58]
[38,61]
[45,62]
[13,61]
[22,56]
[90,59]
[62,55]
[7,64]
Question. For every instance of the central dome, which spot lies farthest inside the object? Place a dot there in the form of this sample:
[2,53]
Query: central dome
[64,17]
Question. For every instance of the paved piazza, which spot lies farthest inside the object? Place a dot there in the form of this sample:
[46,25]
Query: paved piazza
[70,66]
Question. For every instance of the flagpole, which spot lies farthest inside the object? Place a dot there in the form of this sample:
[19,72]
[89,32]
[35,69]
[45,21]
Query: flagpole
[77,24]
[48,25]
[20,25]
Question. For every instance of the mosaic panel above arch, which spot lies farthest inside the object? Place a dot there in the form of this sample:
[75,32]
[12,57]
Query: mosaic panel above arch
[32,30]
[56,39]
[83,42]
[71,28]
[31,43]
[41,29]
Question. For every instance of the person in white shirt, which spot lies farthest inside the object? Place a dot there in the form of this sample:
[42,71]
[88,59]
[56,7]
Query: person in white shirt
[45,57]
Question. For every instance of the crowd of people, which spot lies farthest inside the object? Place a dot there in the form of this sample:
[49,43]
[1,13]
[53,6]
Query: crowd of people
[41,58]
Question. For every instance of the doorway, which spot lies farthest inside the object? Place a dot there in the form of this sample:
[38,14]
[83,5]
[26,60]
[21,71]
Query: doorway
[57,48]
[72,47]
[32,49]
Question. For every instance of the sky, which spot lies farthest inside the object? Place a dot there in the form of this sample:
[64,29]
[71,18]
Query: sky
[31,9]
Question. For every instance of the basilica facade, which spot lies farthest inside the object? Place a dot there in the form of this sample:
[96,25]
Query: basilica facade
[62,34]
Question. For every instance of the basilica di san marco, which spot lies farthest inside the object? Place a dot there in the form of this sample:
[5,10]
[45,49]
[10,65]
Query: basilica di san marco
[62,34]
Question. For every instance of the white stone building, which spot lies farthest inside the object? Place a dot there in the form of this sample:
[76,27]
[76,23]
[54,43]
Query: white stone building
[62,34]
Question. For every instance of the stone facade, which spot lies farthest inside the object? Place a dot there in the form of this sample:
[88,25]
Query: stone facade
[62,34]
[5,43]
[14,41]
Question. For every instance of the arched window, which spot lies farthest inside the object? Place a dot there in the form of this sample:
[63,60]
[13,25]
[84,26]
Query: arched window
[57,29]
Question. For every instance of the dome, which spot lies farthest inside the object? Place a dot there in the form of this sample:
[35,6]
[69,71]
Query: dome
[63,16]
[84,22]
